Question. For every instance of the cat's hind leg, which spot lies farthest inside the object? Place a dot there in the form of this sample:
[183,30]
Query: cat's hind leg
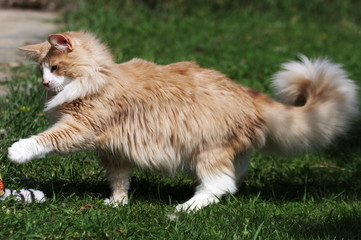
[118,177]
[216,172]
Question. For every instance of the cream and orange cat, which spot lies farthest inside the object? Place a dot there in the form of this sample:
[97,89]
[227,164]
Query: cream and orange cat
[179,116]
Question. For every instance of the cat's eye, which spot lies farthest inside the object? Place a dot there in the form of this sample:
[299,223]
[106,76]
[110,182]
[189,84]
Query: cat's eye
[53,68]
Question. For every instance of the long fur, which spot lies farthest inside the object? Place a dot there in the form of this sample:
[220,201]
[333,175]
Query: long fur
[328,102]
[181,116]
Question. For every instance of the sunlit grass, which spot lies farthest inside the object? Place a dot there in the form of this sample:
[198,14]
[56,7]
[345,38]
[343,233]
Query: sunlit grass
[315,196]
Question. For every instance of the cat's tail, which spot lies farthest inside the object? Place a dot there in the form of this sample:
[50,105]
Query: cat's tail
[318,104]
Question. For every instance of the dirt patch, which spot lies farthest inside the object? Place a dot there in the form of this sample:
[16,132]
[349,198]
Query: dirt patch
[18,28]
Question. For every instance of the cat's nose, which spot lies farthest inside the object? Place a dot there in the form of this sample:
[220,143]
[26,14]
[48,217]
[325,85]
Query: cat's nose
[46,84]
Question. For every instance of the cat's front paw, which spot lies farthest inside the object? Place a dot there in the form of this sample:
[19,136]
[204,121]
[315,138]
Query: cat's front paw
[24,150]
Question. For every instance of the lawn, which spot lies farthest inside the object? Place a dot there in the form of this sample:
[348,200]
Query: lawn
[315,196]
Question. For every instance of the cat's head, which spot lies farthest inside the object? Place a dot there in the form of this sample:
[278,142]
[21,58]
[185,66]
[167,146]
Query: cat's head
[73,65]
[69,57]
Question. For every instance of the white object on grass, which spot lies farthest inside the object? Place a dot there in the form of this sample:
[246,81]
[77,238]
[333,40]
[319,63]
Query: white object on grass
[25,195]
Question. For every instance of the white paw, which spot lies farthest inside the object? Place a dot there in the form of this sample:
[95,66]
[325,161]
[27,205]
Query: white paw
[115,204]
[24,150]
[196,203]
[186,207]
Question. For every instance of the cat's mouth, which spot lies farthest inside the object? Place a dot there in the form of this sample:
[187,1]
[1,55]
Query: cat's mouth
[56,89]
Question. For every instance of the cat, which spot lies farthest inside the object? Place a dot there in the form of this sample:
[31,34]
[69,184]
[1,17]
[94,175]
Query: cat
[180,116]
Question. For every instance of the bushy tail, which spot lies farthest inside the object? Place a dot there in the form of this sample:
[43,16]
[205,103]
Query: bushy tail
[318,104]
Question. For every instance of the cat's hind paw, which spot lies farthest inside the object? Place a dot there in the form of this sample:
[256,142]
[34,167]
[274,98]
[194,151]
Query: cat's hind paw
[196,203]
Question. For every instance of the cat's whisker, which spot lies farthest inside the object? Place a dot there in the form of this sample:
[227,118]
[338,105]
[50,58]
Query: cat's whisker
[44,94]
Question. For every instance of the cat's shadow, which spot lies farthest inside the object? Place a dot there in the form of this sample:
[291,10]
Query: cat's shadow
[279,190]
[140,189]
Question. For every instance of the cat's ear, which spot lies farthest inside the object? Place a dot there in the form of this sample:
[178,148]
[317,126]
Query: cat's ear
[60,42]
[32,49]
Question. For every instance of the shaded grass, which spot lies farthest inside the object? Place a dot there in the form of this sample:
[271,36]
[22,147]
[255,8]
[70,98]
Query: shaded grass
[310,197]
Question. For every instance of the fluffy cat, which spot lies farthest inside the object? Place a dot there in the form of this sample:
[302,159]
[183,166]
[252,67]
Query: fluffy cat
[179,116]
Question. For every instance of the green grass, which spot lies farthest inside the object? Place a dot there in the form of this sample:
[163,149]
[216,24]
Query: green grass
[315,196]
